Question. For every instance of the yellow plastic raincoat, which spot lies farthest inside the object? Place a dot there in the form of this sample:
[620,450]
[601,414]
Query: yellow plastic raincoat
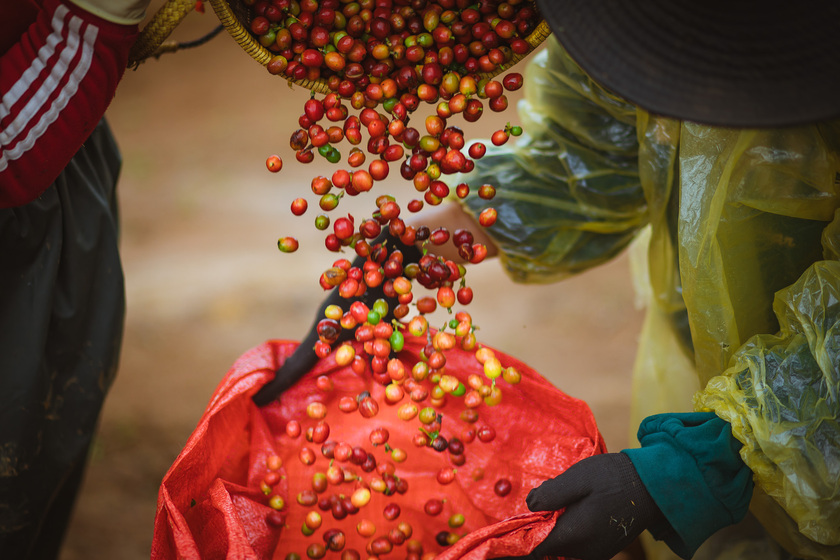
[740,231]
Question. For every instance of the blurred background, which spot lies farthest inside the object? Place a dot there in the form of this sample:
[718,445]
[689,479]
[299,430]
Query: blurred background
[205,282]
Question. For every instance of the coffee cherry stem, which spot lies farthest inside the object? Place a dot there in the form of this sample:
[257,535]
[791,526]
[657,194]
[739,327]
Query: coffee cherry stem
[431,435]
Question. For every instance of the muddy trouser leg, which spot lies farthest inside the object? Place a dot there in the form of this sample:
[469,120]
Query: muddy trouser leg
[61,321]
[59,513]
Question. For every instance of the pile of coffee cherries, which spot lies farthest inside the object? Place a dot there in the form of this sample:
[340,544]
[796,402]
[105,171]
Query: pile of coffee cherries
[351,45]
[352,497]
[379,61]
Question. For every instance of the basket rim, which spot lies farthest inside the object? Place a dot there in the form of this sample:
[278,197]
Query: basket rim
[261,54]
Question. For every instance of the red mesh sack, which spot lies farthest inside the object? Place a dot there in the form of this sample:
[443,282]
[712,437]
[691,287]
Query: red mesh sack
[213,501]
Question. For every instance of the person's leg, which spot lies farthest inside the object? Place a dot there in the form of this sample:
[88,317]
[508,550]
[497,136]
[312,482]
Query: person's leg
[61,318]
[58,516]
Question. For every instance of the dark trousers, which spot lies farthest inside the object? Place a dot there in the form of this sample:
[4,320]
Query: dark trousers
[62,308]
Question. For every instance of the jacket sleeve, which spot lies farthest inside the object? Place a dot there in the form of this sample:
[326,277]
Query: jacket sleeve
[568,194]
[56,84]
[782,398]
[768,330]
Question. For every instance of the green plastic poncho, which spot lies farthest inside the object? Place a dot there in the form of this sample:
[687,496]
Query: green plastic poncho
[736,235]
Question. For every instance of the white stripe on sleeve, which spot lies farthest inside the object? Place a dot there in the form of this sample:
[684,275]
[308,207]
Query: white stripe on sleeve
[22,85]
[83,63]
[35,104]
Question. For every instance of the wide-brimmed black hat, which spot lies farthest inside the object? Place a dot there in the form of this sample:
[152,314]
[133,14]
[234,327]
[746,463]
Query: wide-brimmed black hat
[740,63]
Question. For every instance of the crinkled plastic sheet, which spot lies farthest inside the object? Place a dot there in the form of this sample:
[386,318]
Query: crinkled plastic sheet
[568,197]
[756,215]
[782,397]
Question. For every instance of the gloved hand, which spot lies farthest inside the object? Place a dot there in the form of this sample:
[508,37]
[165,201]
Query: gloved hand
[125,12]
[607,507]
[304,358]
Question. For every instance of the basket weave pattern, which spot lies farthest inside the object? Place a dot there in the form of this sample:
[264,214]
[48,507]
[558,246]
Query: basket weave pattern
[151,40]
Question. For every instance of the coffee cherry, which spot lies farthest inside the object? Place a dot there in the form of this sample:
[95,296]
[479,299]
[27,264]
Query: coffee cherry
[499,137]
[433,507]
[307,456]
[344,355]
[379,436]
[391,511]
[456,446]
[274,163]
[368,407]
[320,432]
[360,497]
[277,64]
[316,410]
[335,540]
[274,462]
[365,528]
[407,411]
[512,81]
[445,476]
[293,428]
[276,502]
[319,484]
[486,434]
[502,487]
[307,498]
[275,519]
[439,443]
[288,244]
[487,217]
[313,520]
[511,375]
[380,546]
[494,398]
[492,368]
[456,520]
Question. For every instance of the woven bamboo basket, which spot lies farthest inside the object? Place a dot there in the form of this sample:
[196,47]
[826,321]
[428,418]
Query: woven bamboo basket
[235,18]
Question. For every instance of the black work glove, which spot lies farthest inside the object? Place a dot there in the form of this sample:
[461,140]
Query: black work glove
[304,358]
[607,507]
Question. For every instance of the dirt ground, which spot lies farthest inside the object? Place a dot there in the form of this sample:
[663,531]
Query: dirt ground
[205,282]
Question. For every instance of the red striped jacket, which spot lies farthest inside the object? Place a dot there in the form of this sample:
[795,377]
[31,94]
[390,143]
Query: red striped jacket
[56,82]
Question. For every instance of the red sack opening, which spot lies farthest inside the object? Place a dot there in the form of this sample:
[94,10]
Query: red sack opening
[211,504]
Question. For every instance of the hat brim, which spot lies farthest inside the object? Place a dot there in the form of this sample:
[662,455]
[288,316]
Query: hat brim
[736,63]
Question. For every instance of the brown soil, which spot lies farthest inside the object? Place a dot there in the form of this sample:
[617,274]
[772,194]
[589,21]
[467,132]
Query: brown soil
[205,281]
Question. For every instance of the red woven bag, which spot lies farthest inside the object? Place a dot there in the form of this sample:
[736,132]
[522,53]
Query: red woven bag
[211,504]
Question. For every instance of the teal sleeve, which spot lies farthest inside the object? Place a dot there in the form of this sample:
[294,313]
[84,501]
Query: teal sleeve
[691,466]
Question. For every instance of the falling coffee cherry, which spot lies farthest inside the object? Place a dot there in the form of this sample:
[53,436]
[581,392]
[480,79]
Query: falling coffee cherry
[299,206]
[288,244]
[500,137]
[487,217]
[274,163]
